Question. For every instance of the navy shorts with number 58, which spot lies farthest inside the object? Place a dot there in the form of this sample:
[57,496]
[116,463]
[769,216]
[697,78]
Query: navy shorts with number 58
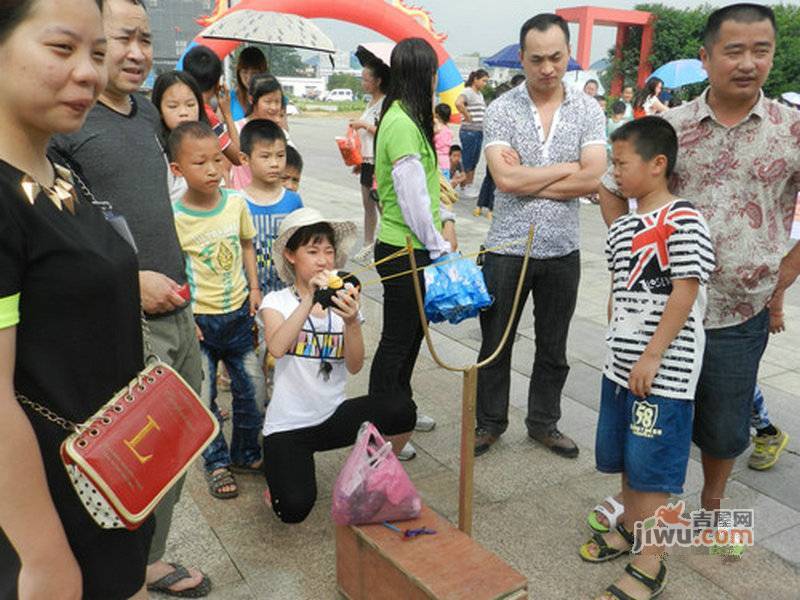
[647,438]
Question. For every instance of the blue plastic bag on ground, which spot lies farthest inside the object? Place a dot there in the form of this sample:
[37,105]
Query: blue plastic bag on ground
[454,289]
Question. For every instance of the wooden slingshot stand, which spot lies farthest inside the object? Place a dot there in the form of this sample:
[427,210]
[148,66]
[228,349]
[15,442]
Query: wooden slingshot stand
[470,386]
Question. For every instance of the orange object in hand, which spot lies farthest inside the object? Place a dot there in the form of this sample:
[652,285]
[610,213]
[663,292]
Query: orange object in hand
[350,147]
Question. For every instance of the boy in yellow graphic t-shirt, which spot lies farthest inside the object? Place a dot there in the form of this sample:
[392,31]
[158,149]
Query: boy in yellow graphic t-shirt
[216,234]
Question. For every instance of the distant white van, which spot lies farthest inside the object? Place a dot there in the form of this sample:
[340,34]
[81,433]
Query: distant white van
[339,95]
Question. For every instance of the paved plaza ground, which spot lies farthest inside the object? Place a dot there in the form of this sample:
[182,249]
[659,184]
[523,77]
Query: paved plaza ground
[530,505]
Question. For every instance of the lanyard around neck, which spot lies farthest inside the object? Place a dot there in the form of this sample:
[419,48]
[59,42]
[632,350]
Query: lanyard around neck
[325,367]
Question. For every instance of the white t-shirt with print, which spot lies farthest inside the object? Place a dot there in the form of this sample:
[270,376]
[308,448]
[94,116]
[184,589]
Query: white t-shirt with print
[645,253]
[302,397]
[371,115]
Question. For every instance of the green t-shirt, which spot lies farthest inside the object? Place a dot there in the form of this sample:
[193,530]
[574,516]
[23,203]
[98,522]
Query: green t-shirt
[399,136]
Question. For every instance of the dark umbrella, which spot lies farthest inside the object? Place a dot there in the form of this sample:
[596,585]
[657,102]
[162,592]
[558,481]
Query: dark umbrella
[378,55]
[374,51]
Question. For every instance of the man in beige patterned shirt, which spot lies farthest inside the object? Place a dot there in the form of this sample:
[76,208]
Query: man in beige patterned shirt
[739,163]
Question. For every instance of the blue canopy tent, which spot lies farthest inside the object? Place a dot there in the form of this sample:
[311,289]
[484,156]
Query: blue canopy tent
[509,57]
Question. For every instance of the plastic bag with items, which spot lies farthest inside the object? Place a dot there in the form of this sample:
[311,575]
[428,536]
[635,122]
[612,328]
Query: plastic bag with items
[350,147]
[372,486]
[454,289]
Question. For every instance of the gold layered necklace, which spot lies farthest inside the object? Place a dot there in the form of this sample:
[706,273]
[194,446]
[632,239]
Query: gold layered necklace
[62,193]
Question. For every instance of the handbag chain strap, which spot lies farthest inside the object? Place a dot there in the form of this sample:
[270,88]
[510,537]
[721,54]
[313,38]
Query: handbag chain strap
[105,206]
[140,381]
[101,204]
[150,356]
[49,414]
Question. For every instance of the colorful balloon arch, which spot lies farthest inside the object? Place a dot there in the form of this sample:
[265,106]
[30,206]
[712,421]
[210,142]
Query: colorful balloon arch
[395,20]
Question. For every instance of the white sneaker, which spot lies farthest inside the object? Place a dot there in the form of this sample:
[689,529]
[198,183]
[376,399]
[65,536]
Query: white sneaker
[470,191]
[424,423]
[365,254]
[408,452]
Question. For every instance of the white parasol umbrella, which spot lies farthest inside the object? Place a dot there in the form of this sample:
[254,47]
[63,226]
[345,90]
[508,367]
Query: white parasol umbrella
[264,27]
[792,98]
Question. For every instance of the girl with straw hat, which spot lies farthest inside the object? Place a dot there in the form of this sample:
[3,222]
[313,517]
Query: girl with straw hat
[315,348]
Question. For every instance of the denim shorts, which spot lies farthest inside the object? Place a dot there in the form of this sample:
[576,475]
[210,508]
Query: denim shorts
[646,438]
[727,383]
[471,142]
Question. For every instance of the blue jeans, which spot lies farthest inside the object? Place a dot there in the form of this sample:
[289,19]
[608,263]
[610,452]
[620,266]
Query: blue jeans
[760,415]
[553,282]
[229,338]
[646,438]
[486,195]
[726,388]
[471,142]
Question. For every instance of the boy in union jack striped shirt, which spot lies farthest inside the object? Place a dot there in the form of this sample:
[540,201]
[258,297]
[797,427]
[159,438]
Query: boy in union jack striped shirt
[660,257]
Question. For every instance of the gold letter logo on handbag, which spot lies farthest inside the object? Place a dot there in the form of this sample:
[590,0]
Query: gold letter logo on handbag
[151,424]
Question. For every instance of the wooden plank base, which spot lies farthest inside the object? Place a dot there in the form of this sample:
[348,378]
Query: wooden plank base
[374,562]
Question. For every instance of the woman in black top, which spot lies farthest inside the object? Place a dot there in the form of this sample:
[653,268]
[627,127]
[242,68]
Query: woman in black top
[70,332]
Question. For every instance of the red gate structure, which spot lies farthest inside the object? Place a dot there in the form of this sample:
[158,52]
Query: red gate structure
[589,16]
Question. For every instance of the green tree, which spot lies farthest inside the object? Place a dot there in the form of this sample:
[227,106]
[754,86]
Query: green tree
[678,34]
[785,75]
[347,81]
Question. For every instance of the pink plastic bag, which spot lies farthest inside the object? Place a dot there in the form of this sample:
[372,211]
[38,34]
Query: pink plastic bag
[373,486]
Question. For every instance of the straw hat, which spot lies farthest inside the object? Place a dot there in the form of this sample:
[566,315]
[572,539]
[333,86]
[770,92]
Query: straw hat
[344,237]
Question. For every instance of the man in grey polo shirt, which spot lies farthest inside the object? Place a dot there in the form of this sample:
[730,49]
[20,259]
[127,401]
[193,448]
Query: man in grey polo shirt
[545,146]
[118,153]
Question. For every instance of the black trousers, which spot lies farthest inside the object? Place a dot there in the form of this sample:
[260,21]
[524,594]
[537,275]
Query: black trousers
[402,333]
[553,282]
[289,455]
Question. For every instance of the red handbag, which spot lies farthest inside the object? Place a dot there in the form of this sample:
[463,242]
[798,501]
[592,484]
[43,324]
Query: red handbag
[123,459]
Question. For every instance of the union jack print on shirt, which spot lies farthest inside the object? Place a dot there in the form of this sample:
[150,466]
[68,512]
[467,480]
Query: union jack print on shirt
[645,254]
[650,242]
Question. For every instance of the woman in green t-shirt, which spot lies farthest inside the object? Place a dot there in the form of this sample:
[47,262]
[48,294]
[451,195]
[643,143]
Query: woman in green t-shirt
[407,174]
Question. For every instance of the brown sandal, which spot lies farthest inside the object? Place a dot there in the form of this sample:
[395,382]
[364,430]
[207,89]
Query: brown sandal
[221,479]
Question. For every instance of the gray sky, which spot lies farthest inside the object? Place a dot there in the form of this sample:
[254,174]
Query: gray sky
[476,26]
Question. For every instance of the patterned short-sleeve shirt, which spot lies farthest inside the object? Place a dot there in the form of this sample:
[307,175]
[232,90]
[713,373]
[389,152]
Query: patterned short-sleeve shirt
[513,120]
[744,180]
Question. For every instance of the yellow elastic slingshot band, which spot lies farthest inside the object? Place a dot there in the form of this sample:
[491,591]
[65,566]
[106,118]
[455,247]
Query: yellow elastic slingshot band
[404,252]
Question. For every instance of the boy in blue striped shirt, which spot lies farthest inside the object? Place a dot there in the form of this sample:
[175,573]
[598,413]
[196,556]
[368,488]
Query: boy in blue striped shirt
[264,150]
[263,146]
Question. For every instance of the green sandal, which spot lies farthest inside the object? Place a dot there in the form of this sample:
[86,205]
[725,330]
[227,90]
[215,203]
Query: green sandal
[606,552]
[655,584]
[612,516]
